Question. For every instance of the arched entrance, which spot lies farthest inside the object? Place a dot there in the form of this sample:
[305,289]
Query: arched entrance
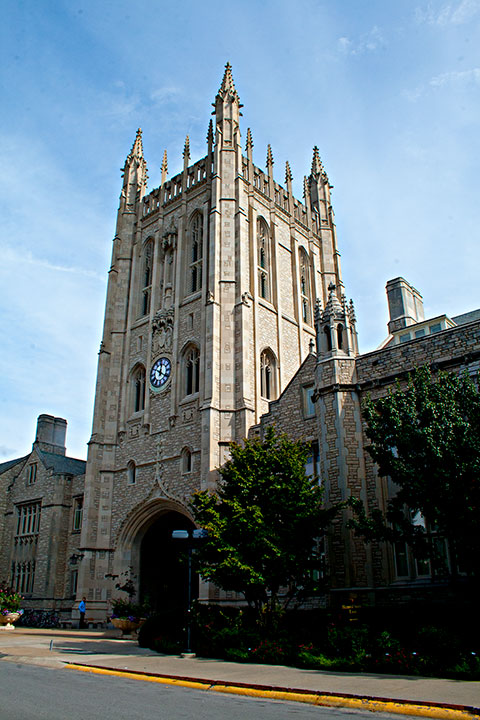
[163,564]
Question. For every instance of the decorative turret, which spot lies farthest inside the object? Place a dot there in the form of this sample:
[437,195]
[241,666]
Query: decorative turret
[335,326]
[134,175]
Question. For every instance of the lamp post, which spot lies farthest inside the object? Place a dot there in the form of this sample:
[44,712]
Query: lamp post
[192,537]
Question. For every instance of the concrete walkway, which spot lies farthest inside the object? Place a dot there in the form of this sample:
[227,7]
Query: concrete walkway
[104,649]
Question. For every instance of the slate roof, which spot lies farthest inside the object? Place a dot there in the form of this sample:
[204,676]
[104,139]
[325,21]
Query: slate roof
[61,464]
[467,317]
[10,463]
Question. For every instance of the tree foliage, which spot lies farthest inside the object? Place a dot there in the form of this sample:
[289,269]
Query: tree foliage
[264,523]
[426,437]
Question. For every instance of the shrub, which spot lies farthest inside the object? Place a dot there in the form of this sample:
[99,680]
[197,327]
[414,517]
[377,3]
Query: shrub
[163,632]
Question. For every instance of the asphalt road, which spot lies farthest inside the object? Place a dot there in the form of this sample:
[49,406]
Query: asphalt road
[30,692]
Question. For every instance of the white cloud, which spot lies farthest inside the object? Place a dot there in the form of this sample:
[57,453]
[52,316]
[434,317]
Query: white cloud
[448,14]
[458,78]
[369,42]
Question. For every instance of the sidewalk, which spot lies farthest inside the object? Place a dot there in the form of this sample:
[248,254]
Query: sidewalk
[104,650]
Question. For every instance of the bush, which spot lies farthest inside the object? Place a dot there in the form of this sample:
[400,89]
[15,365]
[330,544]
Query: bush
[39,619]
[163,632]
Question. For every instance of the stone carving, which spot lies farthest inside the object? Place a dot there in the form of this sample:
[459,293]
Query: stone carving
[247,299]
[188,413]
[134,430]
[162,330]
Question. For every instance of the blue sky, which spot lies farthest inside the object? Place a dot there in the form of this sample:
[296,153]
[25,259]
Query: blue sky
[389,91]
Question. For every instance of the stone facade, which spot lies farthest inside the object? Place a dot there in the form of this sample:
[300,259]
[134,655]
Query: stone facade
[211,332]
[42,507]
[342,379]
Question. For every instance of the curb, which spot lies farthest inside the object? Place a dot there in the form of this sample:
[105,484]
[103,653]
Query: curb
[442,711]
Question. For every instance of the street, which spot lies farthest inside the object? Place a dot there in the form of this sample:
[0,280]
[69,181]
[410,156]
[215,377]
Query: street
[37,693]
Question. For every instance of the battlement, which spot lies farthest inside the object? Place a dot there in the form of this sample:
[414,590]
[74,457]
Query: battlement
[197,174]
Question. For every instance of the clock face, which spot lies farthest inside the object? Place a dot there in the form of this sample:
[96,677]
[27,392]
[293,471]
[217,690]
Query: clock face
[160,373]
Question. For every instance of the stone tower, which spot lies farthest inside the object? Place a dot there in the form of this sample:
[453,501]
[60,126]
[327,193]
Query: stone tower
[209,313]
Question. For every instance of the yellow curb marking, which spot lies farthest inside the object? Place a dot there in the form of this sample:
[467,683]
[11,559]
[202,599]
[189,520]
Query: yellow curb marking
[310,698]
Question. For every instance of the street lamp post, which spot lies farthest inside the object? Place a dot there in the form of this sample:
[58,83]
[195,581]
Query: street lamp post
[192,538]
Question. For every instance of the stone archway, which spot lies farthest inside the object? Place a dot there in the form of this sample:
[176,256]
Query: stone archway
[163,566]
[157,562]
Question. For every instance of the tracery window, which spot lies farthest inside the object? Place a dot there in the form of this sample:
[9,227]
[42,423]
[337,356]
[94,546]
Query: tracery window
[191,361]
[147,268]
[138,389]
[268,371]
[263,259]
[195,254]
[305,293]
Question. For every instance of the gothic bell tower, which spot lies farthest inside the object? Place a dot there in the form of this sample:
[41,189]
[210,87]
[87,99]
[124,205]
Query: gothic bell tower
[209,314]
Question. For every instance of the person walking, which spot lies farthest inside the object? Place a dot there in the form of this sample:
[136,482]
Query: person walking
[82,608]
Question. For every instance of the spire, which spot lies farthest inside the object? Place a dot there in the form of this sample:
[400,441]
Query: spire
[288,173]
[134,172]
[249,144]
[186,149]
[333,306]
[164,167]
[210,133]
[269,157]
[227,111]
[317,166]
[227,87]
[306,190]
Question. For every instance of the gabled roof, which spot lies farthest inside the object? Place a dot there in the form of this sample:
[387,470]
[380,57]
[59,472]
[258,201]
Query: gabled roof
[62,465]
[11,463]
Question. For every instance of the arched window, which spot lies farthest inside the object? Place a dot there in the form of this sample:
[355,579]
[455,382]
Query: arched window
[263,259]
[340,336]
[305,294]
[147,267]
[268,371]
[131,473]
[328,337]
[186,460]
[191,361]
[195,254]
[138,389]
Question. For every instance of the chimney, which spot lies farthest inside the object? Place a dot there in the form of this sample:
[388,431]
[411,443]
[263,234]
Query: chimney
[405,304]
[51,434]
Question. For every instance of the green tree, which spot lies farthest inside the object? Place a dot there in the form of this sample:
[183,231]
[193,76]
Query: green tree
[264,523]
[426,437]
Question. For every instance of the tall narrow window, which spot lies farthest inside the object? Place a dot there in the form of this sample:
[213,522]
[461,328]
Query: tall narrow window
[195,238]
[186,460]
[131,473]
[32,473]
[147,266]
[305,295]
[138,389]
[263,259]
[77,514]
[312,466]
[268,375]
[192,370]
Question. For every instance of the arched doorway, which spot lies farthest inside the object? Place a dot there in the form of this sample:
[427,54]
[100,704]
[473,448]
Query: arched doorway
[163,564]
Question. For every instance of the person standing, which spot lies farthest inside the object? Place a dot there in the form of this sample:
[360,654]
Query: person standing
[82,608]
